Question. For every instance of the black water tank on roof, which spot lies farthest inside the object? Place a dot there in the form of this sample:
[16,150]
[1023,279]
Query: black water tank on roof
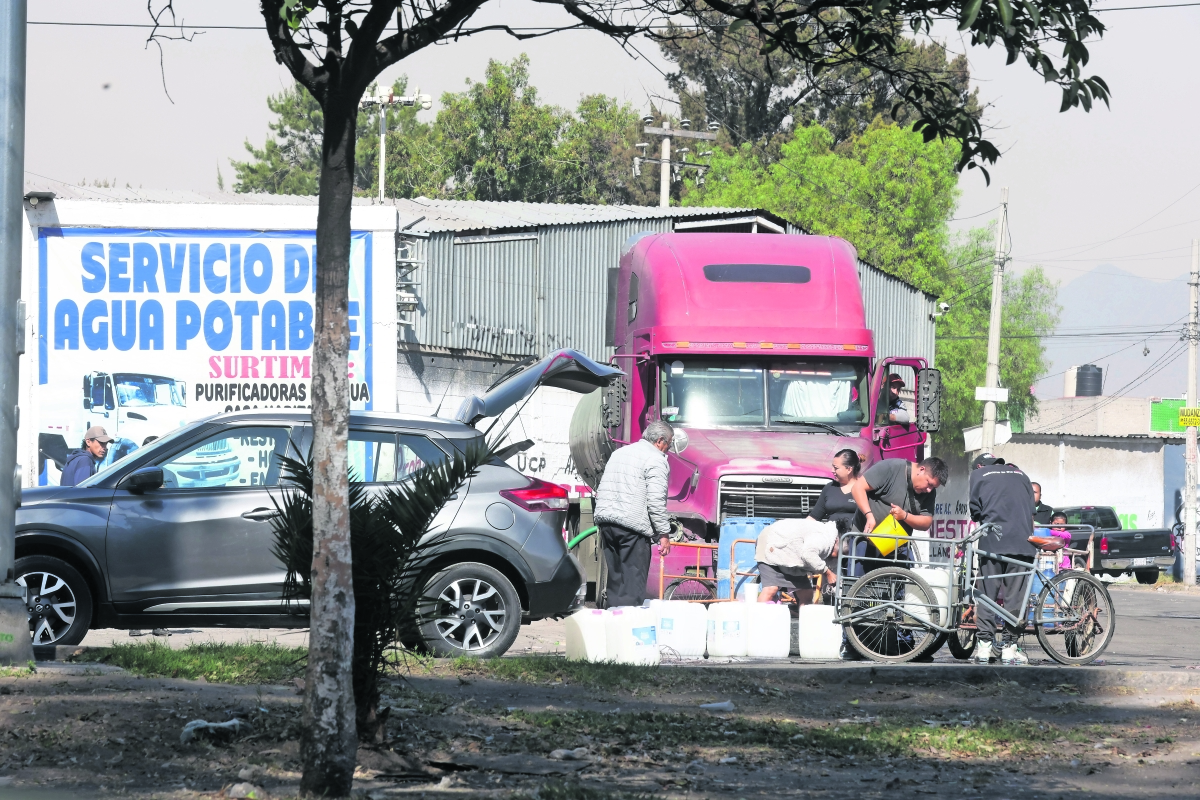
[1089,381]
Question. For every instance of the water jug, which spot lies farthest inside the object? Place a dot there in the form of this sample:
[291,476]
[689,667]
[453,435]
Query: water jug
[769,630]
[682,628]
[819,638]
[631,636]
[586,637]
[727,630]
[938,579]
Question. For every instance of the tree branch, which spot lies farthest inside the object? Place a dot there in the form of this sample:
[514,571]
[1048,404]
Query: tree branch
[312,77]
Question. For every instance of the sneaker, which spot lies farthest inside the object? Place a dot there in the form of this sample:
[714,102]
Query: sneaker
[1013,656]
[983,652]
[136,632]
[160,632]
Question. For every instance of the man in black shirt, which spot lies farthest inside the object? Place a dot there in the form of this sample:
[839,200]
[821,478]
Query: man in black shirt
[1001,494]
[1042,513]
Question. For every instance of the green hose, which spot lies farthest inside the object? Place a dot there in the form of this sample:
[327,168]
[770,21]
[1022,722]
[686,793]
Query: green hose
[571,544]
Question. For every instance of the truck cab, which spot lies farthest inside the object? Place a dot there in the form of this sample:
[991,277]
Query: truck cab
[756,350]
[134,405]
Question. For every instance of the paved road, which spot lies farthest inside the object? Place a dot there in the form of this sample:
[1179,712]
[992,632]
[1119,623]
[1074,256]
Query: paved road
[1154,630]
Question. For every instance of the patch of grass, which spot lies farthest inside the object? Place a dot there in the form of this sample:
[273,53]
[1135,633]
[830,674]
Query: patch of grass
[681,730]
[549,669]
[575,791]
[217,663]
[18,672]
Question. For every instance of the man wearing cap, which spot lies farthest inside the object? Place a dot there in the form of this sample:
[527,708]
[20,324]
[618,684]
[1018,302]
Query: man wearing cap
[897,411]
[1001,494]
[81,464]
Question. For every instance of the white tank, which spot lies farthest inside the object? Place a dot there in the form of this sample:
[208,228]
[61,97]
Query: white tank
[586,636]
[769,630]
[938,580]
[727,623]
[682,628]
[631,635]
[819,637]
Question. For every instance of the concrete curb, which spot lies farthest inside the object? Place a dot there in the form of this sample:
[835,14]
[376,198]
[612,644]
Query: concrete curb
[1034,677]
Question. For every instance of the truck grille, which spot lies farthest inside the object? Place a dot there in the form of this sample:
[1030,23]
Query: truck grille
[767,496]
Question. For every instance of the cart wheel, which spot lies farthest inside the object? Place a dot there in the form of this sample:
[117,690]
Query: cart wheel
[962,644]
[893,609]
[938,642]
[1074,618]
[689,589]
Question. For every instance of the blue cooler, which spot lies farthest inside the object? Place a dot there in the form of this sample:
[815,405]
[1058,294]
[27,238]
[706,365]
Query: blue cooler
[732,529]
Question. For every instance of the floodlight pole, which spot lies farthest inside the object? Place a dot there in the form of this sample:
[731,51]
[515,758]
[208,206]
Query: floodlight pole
[665,164]
[383,101]
[16,647]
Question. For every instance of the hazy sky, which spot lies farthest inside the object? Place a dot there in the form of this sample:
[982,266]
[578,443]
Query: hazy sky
[1097,191]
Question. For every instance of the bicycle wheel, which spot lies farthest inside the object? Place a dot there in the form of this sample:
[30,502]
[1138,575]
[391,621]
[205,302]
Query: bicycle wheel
[962,644]
[690,589]
[893,610]
[1074,618]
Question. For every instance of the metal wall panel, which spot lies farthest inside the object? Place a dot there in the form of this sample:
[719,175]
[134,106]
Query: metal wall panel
[898,314]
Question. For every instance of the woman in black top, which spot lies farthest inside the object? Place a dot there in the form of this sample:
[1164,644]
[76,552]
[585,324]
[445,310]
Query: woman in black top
[836,502]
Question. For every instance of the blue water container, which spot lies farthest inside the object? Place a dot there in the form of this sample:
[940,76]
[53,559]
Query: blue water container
[732,529]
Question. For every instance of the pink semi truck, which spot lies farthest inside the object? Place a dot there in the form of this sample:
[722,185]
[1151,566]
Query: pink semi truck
[755,348]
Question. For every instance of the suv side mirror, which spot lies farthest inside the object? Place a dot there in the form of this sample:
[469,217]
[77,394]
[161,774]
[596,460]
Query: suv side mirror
[145,479]
[929,400]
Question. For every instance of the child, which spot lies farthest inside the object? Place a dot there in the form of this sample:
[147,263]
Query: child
[1062,533]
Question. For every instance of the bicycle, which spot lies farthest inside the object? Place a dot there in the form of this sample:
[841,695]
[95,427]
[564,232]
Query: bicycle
[893,615]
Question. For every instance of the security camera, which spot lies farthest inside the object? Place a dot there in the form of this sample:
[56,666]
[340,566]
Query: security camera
[943,307]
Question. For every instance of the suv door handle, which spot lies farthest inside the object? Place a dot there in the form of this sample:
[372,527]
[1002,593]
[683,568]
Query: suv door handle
[260,514]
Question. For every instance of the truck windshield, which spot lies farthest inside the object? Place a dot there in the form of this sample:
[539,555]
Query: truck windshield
[723,391]
[135,389]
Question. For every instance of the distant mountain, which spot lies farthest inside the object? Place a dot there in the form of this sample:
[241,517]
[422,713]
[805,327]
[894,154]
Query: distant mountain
[1109,297]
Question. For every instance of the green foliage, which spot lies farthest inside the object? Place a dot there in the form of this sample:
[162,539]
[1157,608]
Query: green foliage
[216,663]
[394,546]
[1030,311]
[494,141]
[722,75]
[886,191]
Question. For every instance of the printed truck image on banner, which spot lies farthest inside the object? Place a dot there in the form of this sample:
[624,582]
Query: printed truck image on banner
[142,331]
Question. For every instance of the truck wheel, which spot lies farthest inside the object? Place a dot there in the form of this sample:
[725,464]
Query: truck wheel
[1146,576]
[470,609]
[58,599]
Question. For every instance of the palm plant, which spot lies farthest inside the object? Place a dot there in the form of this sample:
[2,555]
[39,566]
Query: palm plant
[394,546]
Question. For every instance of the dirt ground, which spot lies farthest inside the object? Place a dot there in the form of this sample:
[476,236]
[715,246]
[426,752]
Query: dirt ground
[85,731]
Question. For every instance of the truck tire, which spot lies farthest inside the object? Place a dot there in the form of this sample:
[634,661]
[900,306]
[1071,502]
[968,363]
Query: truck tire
[1146,576]
[58,598]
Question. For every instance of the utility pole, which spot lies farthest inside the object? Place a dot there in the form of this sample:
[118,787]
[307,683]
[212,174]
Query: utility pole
[16,647]
[990,392]
[383,101]
[1189,486]
[669,169]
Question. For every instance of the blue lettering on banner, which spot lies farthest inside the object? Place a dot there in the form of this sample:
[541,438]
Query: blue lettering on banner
[124,324]
[274,326]
[187,323]
[172,266]
[218,311]
[95,334]
[213,255]
[92,253]
[295,268]
[300,318]
[235,269]
[150,323]
[246,311]
[258,268]
[145,267]
[118,267]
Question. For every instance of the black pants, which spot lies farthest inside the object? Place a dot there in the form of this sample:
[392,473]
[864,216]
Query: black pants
[1006,591]
[627,555]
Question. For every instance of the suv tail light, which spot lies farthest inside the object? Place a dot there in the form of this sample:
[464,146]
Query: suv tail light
[1103,544]
[538,496]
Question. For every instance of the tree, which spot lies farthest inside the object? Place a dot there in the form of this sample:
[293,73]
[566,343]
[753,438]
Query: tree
[723,77]
[887,191]
[336,48]
[1030,311]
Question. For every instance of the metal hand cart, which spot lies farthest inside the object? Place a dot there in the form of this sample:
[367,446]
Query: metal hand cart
[893,614]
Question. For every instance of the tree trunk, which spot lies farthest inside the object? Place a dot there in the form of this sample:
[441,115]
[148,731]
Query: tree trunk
[330,743]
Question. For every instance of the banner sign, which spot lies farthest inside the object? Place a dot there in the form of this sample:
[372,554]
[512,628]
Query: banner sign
[141,331]
[1189,417]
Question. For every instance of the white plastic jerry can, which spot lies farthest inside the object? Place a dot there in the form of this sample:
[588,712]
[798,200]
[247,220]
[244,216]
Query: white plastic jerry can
[727,623]
[586,635]
[682,628]
[631,636]
[769,630]
[820,638]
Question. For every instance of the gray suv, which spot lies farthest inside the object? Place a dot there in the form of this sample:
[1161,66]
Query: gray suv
[196,551]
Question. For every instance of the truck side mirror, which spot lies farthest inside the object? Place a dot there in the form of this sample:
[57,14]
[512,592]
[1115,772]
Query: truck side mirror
[929,400]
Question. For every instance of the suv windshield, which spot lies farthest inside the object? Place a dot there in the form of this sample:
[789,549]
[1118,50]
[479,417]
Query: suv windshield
[724,391]
[135,389]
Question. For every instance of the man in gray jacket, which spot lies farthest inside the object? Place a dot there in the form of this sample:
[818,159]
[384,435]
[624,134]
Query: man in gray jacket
[631,509]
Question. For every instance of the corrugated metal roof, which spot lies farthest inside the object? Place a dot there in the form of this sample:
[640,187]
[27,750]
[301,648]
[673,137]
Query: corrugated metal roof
[474,215]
